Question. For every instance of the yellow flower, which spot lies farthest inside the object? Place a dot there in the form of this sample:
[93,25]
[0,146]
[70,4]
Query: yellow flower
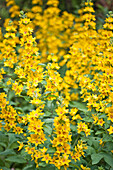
[46,158]
[20,145]
[110,130]
[84,168]
[101,142]
[100,122]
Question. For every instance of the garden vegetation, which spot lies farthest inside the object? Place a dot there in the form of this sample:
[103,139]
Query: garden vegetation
[56,89]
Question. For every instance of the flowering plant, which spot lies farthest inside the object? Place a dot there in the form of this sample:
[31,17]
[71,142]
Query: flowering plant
[56,83]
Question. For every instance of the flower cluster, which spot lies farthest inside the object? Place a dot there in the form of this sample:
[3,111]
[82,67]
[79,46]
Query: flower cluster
[57,86]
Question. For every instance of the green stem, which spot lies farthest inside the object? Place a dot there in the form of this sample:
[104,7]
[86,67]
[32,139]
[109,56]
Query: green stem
[76,140]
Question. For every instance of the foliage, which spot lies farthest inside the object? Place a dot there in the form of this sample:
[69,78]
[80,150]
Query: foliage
[56,84]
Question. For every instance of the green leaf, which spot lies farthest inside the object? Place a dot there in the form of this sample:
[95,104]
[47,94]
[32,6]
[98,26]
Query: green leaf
[90,142]
[43,164]
[108,159]
[96,144]
[96,157]
[19,109]
[62,70]
[47,113]
[27,98]
[3,138]
[109,146]
[1,149]
[13,145]
[90,150]
[106,138]
[47,92]
[73,127]
[88,119]
[12,141]
[3,144]
[11,94]
[47,167]
[6,89]
[79,106]
[28,167]
[41,64]
[16,159]
[75,166]
[2,162]
[51,150]
[7,152]
[99,132]
[49,120]
[47,129]
[12,138]
[50,95]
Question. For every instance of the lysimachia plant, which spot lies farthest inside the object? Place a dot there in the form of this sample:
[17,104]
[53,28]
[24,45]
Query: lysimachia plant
[56,90]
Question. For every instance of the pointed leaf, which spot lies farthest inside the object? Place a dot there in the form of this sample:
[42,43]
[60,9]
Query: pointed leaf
[96,157]
[108,159]
[79,106]
[16,159]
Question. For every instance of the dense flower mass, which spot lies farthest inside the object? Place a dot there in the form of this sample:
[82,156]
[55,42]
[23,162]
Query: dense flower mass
[56,84]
